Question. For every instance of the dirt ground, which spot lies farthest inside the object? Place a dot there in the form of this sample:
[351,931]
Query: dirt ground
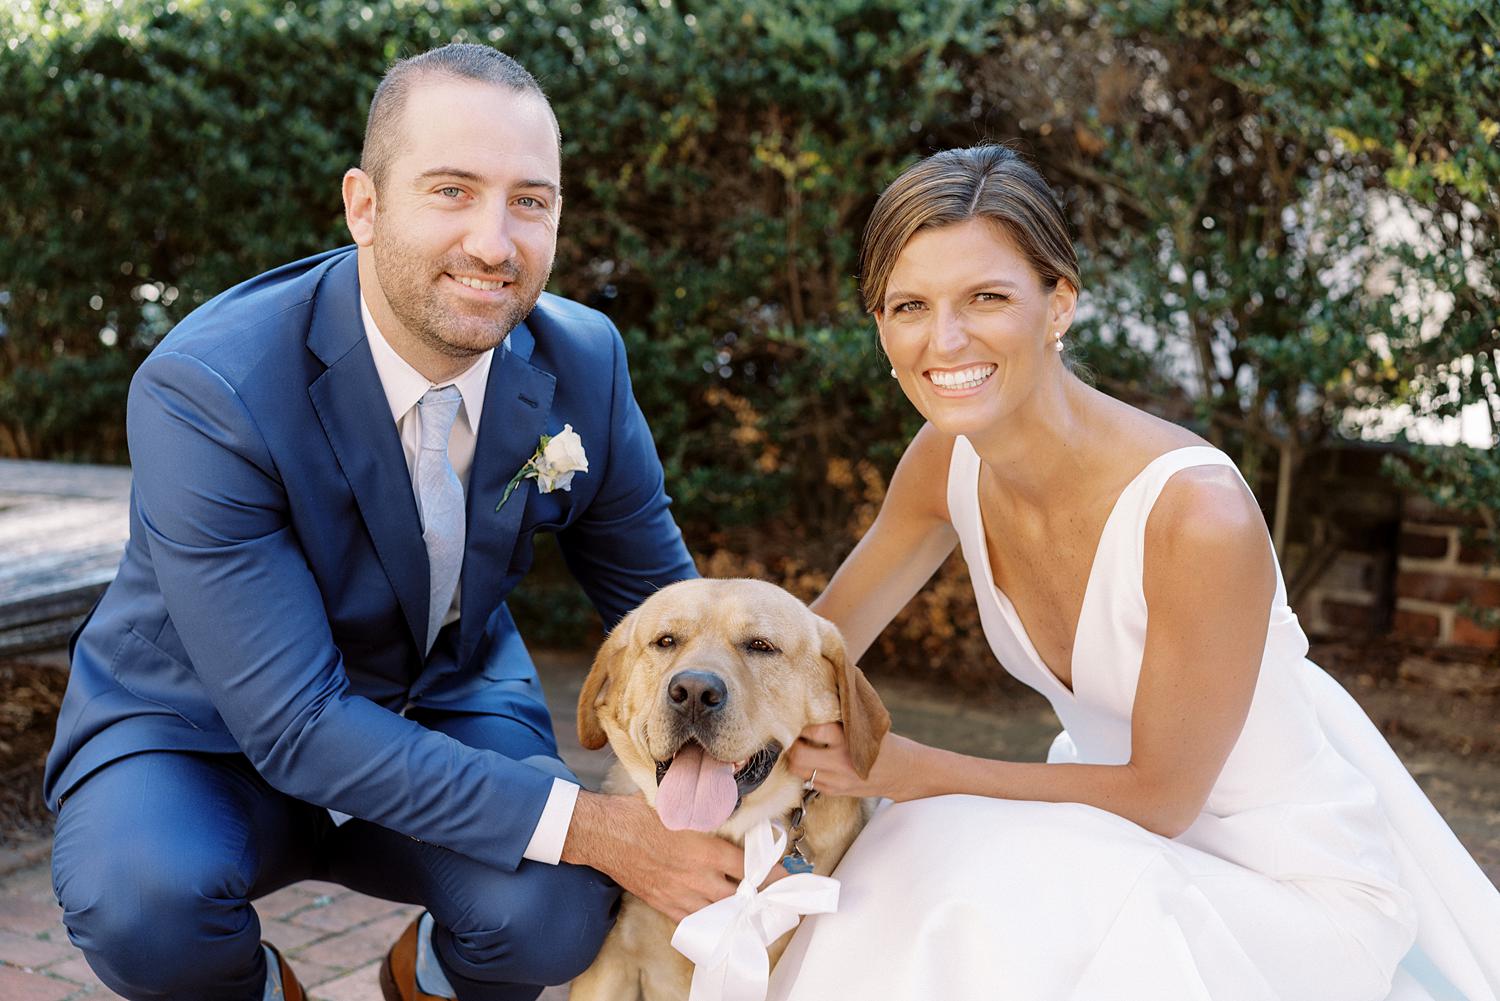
[1441,712]
[29,695]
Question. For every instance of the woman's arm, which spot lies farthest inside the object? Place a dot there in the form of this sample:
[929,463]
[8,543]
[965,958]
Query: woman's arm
[1209,581]
[908,542]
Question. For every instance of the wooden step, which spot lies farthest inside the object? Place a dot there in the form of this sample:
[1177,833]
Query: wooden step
[63,529]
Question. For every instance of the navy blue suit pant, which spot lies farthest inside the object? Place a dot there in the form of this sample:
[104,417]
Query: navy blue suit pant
[158,856]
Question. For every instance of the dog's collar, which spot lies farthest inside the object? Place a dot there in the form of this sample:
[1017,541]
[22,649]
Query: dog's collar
[795,860]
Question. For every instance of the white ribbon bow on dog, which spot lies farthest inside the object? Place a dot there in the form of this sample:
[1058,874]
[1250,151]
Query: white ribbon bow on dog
[727,940]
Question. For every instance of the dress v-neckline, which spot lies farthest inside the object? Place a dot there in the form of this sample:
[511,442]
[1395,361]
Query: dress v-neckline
[1008,608]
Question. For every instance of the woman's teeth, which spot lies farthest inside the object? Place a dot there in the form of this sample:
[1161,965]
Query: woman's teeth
[964,378]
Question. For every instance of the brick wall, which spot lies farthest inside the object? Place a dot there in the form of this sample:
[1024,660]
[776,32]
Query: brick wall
[1405,566]
[1354,596]
[1438,570]
[1348,598]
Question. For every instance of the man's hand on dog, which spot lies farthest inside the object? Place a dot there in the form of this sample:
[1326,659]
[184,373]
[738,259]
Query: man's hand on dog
[676,872]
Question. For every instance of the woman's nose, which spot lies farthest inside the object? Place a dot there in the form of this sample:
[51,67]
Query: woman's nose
[949,335]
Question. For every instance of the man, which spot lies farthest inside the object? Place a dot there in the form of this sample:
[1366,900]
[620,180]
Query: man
[330,504]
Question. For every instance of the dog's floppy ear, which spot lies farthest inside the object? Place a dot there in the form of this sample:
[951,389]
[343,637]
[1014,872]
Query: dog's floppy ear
[866,721]
[590,734]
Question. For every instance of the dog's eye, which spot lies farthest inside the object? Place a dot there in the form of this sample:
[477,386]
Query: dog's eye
[759,645]
[665,641]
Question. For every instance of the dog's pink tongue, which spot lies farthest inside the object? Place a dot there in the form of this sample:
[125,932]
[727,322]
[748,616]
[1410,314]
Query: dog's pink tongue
[698,792]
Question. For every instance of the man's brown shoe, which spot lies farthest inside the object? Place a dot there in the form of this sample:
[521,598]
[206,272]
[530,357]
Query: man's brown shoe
[290,989]
[398,974]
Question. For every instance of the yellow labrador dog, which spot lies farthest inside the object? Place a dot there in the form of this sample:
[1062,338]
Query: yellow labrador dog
[699,692]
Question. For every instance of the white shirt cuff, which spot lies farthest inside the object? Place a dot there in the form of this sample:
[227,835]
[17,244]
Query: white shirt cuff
[552,829]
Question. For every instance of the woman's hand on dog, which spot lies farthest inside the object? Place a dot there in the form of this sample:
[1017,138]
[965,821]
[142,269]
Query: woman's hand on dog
[822,748]
[676,872]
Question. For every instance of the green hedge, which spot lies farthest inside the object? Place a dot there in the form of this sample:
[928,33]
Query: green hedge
[717,167]
[720,158]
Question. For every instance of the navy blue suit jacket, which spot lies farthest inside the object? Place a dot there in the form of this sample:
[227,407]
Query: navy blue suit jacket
[273,595]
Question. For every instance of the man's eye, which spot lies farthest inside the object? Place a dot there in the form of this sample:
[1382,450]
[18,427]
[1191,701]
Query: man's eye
[665,641]
[528,202]
[992,297]
[451,192]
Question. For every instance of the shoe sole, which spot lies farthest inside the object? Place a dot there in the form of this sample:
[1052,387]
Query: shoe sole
[388,982]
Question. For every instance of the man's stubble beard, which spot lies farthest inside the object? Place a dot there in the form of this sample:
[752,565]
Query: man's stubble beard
[410,285]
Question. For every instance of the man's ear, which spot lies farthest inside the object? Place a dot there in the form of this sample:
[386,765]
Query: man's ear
[590,734]
[866,721]
[359,205]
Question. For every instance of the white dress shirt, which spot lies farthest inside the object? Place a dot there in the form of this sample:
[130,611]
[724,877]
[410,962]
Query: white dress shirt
[404,386]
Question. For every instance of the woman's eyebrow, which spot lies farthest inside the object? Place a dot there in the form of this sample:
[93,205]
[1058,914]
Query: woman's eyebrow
[988,283]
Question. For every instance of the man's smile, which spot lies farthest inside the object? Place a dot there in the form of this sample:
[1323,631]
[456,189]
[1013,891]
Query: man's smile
[479,283]
[481,289]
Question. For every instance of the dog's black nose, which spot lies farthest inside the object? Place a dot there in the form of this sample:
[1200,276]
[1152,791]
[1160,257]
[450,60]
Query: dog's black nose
[697,693]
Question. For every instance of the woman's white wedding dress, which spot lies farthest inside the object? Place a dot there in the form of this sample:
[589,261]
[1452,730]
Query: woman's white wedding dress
[1314,866]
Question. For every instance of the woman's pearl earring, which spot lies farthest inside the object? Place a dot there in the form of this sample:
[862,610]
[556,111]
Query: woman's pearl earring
[893,372]
[1057,343]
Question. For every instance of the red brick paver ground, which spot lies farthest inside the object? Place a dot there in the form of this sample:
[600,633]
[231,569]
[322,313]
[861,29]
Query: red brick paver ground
[334,938]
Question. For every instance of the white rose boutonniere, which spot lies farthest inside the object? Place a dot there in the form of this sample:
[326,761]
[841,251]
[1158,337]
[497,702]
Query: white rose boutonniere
[552,465]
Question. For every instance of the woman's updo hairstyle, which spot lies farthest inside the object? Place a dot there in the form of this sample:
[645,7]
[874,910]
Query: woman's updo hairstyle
[987,182]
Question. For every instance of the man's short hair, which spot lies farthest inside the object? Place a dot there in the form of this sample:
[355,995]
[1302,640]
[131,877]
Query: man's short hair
[459,60]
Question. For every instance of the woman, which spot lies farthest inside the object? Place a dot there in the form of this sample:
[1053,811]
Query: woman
[1218,820]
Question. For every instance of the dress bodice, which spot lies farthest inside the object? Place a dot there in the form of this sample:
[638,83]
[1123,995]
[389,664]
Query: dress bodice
[1280,765]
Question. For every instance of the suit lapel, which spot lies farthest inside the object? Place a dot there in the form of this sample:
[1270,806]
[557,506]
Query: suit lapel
[517,403]
[348,397]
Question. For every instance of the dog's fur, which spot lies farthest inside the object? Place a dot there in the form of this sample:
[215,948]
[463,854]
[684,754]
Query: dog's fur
[783,668]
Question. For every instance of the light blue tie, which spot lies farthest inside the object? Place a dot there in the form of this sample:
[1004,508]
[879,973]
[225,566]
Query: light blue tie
[440,500]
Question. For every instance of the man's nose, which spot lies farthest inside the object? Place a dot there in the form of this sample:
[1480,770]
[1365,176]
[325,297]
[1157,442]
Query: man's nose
[490,240]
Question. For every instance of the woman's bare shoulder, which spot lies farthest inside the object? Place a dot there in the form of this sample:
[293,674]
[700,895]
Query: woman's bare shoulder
[1145,434]
[1206,516]
[1211,500]
[920,483]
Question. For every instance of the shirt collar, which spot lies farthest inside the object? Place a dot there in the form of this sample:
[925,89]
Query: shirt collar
[404,385]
